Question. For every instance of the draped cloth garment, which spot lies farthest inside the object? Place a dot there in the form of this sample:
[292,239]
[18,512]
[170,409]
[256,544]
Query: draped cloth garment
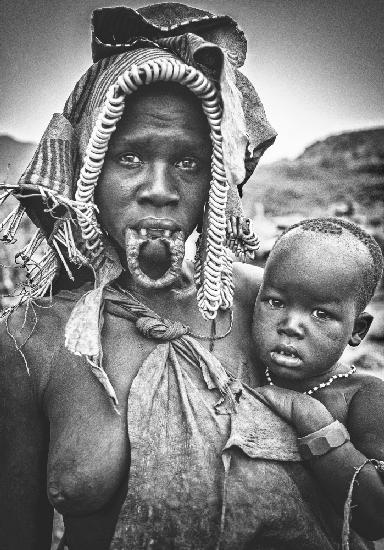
[211,465]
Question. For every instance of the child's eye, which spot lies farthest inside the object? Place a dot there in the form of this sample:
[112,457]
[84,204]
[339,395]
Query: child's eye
[320,314]
[275,303]
[187,163]
[130,160]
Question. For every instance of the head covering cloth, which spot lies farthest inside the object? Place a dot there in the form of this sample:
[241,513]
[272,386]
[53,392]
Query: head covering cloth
[163,42]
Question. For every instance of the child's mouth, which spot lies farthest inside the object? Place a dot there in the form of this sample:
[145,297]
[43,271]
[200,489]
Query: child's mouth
[285,356]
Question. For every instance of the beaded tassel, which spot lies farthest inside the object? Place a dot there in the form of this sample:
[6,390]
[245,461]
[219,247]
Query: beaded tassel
[244,246]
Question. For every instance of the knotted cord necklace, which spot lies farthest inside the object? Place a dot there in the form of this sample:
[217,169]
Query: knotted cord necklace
[211,338]
[322,385]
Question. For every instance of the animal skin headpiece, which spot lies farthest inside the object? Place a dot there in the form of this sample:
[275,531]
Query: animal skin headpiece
[163,42]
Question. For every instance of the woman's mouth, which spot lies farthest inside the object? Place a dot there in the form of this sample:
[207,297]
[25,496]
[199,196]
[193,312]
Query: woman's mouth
[286,356]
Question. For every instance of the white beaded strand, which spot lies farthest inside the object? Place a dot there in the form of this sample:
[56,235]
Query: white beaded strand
[322,385]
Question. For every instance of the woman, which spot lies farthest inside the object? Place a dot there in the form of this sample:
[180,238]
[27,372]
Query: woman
[135,383]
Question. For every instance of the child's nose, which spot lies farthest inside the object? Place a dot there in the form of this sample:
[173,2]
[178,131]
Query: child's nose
[292,324]
[159,189]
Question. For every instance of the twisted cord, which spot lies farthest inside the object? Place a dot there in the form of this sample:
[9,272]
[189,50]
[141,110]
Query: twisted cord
[160,329]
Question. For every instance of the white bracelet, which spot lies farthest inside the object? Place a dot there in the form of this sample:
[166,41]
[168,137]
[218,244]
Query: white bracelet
[324,440]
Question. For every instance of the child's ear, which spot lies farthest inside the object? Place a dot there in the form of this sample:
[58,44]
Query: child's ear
[360,328]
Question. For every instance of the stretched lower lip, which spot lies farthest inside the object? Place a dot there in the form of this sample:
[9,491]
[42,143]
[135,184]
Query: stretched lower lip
[285,360]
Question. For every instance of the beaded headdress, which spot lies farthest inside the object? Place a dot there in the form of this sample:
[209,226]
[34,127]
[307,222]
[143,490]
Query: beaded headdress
[165,42]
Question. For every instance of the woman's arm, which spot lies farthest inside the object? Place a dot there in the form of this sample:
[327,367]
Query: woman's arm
[335,469]
[25,514]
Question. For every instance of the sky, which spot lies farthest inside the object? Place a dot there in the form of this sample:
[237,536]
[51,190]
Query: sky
[318,65]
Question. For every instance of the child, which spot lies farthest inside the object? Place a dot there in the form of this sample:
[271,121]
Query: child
[317,281]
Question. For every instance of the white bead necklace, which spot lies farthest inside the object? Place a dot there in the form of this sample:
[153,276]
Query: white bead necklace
[322,385]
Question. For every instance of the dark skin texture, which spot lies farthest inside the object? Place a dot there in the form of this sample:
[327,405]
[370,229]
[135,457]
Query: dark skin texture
[309,306]
[61,405]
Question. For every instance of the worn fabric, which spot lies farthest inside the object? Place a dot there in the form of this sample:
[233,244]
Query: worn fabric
[116,27]
[210,469]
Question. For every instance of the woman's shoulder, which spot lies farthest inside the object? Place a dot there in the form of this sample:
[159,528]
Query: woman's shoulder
[32,334]
[40,318]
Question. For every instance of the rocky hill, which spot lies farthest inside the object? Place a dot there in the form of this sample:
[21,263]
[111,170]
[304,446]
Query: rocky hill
[341,168]
[361,150]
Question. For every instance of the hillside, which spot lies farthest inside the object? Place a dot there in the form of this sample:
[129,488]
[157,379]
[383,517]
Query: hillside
[361,150]
[342,168]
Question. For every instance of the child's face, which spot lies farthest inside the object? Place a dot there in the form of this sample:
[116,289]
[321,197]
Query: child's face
[306,308]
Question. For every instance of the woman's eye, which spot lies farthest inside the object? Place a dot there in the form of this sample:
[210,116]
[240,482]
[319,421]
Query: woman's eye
[275,303]
[187,164]
[320,314]
[130,160]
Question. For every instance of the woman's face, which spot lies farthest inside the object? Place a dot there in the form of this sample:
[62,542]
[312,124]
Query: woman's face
[157,171]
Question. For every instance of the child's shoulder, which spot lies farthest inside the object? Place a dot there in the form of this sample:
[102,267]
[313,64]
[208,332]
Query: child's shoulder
[365,415]
[366,383]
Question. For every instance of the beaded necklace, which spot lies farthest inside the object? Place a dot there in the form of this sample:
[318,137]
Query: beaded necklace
[322,385]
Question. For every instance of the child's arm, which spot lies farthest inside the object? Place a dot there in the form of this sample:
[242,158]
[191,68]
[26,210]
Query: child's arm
[334,470]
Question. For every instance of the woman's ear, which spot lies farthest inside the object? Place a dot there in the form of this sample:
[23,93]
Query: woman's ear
[360,328]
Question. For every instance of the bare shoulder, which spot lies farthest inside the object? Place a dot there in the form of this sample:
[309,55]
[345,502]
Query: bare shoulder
[247,279]
[365,414]
[29,338]
[367,384]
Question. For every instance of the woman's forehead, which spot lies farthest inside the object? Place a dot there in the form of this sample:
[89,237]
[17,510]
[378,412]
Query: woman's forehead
[169,94]
[159,109]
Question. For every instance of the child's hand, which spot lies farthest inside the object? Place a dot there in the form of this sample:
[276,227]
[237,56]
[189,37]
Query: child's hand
[305,413]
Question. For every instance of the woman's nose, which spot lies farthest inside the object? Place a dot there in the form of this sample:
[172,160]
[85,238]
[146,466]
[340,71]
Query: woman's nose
[159,189]
[292,324]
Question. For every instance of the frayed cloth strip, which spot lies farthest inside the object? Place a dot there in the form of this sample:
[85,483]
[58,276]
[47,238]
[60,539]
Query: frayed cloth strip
[11,224]
[30,248]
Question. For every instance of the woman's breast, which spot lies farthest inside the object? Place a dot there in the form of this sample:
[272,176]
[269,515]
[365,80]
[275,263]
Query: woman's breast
[89,451]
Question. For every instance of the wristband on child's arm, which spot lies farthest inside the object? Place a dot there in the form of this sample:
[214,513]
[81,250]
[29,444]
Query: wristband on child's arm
[322,441]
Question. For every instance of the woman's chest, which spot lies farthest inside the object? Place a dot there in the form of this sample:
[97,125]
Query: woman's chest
[89,449]
[89,453]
